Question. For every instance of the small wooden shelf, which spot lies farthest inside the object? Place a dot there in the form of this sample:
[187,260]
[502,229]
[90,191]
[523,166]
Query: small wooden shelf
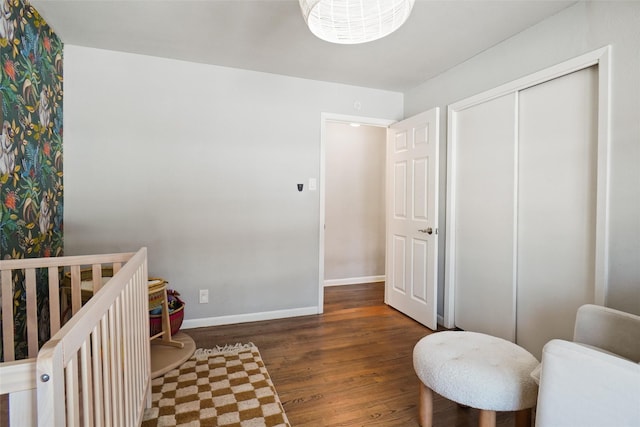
[158,294]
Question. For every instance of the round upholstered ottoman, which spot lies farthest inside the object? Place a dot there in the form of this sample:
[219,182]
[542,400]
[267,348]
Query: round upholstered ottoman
[476,370]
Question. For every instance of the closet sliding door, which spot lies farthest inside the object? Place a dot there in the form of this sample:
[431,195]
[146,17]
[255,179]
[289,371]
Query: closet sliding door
[485,217]
[557,163]
[526,214]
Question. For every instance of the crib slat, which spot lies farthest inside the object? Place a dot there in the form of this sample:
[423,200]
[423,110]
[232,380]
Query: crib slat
[96,274]
[76,289]
[144,302]
[131,347]
[116,382]
[73,394]
[54,300]
[106,374]
[87,385]
[7,315]
[131,350]
[32,312]
[137,348]
[134,354]
[126,391]
[96,361]
[23,408]
[128,319]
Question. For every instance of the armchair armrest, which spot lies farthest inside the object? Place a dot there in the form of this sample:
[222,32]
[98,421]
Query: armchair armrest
[611,330]
[582,386]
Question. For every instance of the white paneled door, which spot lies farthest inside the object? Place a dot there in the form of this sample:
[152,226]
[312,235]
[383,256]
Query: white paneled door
[412,217]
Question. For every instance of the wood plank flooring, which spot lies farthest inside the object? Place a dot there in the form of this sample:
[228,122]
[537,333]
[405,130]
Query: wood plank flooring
[351,366]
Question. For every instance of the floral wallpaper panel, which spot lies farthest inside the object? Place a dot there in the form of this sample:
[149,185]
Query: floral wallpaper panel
[31,177]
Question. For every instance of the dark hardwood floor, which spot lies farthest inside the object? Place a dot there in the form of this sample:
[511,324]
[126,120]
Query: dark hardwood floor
[351,366]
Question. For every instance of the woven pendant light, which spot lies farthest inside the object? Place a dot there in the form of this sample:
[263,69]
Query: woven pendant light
[354,21]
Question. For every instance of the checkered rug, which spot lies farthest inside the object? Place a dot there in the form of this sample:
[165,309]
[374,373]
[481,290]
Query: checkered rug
[227,386]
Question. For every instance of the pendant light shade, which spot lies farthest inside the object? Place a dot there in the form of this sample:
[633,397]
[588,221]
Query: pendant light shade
[354,21]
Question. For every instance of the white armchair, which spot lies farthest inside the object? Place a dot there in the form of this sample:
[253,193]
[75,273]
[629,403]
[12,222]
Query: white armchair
[594,380]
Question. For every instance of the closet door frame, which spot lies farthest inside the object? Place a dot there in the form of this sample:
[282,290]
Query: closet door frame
[601,58]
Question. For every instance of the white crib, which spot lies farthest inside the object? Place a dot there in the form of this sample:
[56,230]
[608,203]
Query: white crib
[95,369]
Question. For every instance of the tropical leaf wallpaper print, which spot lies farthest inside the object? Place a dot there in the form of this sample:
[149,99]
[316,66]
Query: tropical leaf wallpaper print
[31,179]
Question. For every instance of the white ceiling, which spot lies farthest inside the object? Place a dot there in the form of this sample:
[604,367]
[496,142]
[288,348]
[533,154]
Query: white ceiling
[271,36]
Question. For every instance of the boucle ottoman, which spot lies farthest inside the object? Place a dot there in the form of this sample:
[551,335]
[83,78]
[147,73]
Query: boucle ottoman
[476,370]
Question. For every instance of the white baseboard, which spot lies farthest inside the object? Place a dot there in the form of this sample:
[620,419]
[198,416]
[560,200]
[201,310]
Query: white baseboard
[250,317]
[354,280]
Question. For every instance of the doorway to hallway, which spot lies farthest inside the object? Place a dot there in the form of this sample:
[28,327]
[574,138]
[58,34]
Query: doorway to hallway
[352,201]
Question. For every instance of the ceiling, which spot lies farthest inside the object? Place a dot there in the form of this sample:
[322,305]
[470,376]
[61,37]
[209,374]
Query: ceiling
[271,36]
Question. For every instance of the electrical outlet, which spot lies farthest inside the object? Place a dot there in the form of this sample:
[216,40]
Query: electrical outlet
[204,296]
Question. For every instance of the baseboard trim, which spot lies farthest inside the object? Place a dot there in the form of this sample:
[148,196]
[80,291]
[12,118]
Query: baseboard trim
[354,280]
[249,317]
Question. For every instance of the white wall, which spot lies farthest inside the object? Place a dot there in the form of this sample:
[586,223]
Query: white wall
[200,164]
[354,202]
[579,29]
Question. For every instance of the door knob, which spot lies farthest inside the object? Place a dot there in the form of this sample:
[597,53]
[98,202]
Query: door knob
[426,230]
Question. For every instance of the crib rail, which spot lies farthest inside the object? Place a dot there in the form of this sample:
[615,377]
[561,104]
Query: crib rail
[19,384]
[28,268]
[67,276]
[96,369]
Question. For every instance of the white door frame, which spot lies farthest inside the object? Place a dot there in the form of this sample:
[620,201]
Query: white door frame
[601,58]
[324,118]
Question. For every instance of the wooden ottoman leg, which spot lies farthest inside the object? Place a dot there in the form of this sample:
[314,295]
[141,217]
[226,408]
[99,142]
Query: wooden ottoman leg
[426,406]
[487,418]
[523,418]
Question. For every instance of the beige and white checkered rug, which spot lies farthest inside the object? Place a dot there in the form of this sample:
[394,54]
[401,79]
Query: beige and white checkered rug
[226,386]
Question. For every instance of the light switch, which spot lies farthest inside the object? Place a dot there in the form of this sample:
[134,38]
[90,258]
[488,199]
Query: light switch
[313,184]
